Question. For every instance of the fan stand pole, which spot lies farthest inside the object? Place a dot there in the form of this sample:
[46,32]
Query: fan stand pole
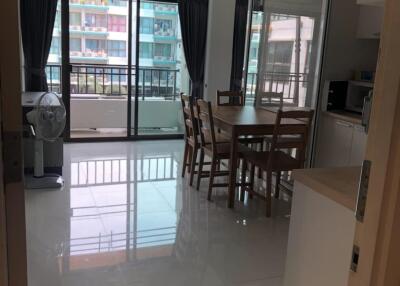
[38,169]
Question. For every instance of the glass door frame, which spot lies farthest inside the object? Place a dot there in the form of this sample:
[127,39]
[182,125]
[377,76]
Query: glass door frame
[66,69]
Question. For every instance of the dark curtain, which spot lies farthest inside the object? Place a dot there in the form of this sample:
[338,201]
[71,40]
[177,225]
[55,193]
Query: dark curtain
[239,44]
[37,22]
[193,16]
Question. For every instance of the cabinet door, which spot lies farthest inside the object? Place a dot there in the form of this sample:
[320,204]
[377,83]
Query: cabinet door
[358,146]
[369,22]
[333,143]
[341,140]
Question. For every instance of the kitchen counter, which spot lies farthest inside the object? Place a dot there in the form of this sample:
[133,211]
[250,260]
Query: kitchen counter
[322,226]
[345,116]
[338,184]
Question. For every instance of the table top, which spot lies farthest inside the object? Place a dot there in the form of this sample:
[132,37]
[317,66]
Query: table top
[249,116]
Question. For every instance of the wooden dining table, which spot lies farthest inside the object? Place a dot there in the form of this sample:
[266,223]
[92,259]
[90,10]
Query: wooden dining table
[241,121]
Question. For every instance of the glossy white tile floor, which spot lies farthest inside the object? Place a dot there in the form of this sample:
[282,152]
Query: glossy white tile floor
[125,217]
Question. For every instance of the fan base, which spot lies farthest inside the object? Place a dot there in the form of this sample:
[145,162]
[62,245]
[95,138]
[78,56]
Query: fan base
[48,181]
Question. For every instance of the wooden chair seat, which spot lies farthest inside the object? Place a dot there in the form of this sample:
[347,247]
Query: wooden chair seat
[275,160]
[219,137]
[223,150]
[211,147]
[280,160]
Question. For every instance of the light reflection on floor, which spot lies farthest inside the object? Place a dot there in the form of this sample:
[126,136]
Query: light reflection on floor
[125,217]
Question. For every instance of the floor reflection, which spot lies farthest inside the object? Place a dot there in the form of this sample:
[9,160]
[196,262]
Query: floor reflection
[125,217]
[121,210]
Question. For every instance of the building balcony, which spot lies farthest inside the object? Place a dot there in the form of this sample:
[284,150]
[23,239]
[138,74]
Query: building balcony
[93,4]
[165,9]
[99,31]
[89,55]
[161,60]
[163,35]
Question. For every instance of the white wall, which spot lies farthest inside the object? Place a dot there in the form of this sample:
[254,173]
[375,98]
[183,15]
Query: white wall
[344,52]
[218,64]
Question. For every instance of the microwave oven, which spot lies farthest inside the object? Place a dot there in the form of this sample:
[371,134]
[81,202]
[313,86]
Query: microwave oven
[347,95]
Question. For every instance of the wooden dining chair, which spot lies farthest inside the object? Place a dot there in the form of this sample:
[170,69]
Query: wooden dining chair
[230,98]
[192,145]
[276,160]
[270,99]
[192,141]
[211,147]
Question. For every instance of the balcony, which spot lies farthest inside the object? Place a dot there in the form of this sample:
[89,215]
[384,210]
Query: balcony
[88,30]
[162,60]
[164,34]
[89,55]
[170,9]
[103,91]
[92,4]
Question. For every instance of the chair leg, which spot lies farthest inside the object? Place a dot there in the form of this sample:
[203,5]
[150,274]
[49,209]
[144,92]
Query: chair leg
[212,174]
[193,165]
[185,159]
[190,154]
[200,171]
[268,198]
[243,180]
[277,183]
[252,174]
[261,148]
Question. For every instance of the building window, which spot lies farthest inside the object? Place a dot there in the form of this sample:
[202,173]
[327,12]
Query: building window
[75,45]
[145,50]
[116,23]
[279,58]
[253,53]
[95,20]
[55,46]
[163,26]
[162,50]
[95,45]
[146,25]
[117,49]
[75,19]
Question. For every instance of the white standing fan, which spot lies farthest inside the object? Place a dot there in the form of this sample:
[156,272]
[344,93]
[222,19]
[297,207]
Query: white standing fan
[47,121]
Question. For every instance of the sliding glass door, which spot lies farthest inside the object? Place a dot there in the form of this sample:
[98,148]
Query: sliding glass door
[125,67]
[285,52]
[162,71]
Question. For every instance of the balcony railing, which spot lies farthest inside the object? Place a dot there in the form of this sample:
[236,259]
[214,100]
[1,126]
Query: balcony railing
[291,84]
[113,80]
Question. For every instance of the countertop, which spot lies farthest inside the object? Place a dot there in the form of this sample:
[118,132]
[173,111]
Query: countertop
[345,116]
[338,184]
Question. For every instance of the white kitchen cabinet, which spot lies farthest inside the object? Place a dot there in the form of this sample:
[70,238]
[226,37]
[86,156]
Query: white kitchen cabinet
[322,226]
[339,143]
[334,142]
[370,21]
[358,146]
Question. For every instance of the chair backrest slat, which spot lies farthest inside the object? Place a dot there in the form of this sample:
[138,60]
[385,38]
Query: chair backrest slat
[230,98]
[206,123]
[190,121]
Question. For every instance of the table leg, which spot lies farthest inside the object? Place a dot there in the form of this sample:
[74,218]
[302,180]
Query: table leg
[232,169]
